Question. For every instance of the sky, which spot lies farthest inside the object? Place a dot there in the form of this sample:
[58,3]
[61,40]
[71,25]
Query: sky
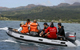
[17,3]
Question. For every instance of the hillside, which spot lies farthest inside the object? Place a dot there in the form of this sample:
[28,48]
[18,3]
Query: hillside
[63,11]
[28,7]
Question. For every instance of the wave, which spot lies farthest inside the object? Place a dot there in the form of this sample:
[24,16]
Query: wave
[8,40]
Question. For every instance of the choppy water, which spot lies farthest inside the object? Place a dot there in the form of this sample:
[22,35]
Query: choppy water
[8,43]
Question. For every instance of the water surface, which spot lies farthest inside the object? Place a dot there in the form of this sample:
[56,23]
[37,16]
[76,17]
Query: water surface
[9,43]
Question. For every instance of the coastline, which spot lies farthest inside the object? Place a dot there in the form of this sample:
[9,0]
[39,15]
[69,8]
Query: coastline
[56,21]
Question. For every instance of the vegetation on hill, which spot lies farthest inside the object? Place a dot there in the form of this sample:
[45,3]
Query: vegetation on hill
[3,18]
[69,13]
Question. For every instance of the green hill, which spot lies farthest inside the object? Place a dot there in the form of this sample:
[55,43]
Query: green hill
[69,13]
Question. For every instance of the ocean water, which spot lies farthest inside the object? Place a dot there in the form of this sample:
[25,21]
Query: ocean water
[9,43]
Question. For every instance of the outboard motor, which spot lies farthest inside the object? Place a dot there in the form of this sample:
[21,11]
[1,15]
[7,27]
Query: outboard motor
[70,36]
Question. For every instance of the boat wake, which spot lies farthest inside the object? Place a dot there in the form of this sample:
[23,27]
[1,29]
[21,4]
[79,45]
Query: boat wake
[8,40]
[78,42]
[5,28]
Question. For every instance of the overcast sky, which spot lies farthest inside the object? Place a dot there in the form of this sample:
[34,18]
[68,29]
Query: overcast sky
[17,3]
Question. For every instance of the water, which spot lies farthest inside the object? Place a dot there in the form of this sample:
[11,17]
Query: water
[8,43]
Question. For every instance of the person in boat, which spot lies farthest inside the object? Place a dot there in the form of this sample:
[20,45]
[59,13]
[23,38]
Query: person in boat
[19,29]
[44,29]
[51,31]
[34,28]
[28,22]
[23,28]
[61,31]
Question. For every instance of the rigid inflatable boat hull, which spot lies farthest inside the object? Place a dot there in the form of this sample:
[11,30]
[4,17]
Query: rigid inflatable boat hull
[39,39]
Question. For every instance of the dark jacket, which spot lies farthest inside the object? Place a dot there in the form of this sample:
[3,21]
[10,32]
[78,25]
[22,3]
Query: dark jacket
[44,29]
[61,31]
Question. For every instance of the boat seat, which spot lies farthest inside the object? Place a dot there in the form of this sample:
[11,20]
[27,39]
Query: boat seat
[63,38]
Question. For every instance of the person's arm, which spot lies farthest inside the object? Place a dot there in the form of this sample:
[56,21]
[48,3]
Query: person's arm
[19,29]
[23,25]
[60,32]
[47,30]
[56,31]
[38,27]
[29,24]
[29,28]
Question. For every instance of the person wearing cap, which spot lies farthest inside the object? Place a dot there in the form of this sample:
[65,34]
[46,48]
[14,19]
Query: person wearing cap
[28,23]
[61,31]
[44,29]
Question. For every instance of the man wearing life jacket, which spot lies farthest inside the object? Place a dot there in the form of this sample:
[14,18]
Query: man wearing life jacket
[51,31]
[44,29]
[28,22]
[23,28]
[34,27]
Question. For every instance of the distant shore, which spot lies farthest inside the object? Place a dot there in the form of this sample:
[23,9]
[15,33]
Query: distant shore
[39,20]
[55,21]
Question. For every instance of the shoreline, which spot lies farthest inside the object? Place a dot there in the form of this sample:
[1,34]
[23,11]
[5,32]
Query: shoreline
[43,21]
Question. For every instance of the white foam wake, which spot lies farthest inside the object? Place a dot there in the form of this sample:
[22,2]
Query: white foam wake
[5,28]
[77,42]
[8,41]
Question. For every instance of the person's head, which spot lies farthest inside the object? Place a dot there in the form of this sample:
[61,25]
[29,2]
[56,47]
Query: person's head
[28,20]
[59,24]
[35,21]
[45,24]
[20,25]
[51,24]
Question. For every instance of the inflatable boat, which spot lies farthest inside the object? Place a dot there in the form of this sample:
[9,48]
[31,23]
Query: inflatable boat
[70,42]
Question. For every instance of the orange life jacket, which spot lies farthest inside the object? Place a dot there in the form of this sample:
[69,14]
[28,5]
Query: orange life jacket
[24,29]
[33,27]
[28,23]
